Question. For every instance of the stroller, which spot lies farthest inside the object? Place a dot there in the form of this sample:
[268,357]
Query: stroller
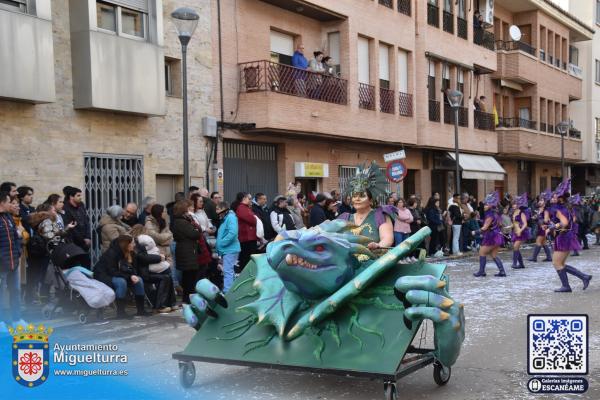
[65,256]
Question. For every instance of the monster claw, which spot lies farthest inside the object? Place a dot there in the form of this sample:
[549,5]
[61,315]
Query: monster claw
[211,313]
[402,297]
[407,323]
[441,284]
[221,300]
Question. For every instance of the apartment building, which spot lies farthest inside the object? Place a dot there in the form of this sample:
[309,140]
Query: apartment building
[393,61]
[90,96]
[585,112]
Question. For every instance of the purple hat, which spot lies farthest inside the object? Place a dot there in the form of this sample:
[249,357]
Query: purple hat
[521,201]
[575,200]
[546,195]
[564,187]
[492,199]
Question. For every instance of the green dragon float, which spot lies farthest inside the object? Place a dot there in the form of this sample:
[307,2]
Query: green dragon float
[311,303]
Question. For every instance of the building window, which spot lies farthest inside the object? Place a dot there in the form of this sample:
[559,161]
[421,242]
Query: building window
[106,15]
[598,71]
[384,66]
[598,11]
[282,47]
[132,23]
[121,20]
[14,5]
[573,55]
[598,129]
[172,77]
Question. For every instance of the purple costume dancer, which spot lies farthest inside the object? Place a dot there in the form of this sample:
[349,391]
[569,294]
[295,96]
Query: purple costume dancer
[517,220]
[565,239]
[492,237]
[540,237]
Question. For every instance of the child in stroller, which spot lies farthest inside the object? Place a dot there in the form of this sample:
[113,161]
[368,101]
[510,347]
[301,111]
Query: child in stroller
[75,289]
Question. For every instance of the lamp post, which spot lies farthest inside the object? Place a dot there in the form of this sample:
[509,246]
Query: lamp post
[185,20]
[455,99]
[562,128]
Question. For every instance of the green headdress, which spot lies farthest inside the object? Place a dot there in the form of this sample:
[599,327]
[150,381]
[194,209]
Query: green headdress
[367,178]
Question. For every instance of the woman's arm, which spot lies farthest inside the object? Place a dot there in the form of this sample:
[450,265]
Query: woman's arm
[163,238]
[246,215]
[487,224]
[564,221]
[386,234]
[275,222]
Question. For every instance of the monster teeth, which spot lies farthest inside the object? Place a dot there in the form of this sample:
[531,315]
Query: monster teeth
[289,259]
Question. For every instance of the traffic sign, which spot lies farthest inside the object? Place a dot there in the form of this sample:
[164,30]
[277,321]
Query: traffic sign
[396,171]
[397,155]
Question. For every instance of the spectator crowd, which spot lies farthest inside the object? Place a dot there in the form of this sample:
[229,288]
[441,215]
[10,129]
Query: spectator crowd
[152,255]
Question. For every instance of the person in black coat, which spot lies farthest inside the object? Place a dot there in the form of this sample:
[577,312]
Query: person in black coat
[164,296]
[187,250]
[317,213]
[74,211]
[116,269]
[260,209]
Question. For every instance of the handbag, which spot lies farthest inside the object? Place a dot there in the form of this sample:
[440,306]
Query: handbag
[37,246]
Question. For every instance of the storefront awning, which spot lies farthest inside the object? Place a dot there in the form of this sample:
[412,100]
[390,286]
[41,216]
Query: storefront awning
[479,167]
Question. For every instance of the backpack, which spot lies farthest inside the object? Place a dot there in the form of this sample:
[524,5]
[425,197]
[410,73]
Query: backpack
[37,246]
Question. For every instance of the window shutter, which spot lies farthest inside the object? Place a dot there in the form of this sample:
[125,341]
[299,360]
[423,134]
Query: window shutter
[384,62]
[282,43]
[403,71]
[139,5]
[363,60]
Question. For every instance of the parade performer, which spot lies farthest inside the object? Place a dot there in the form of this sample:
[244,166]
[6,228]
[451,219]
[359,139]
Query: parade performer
[540,237]
[520,232]
[562,226]
[492,236]
[371,220]
[576,213]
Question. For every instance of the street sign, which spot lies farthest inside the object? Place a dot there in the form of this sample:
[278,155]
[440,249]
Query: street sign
[397,155]
[396,171]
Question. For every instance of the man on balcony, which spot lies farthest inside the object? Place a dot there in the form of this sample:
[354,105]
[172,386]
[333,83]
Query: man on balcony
[300,62]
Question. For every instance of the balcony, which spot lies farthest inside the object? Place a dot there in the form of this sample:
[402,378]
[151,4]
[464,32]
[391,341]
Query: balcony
[434,110]
[404,7]
[366,96]
[448,22]
[518,142]
[433,15]
[27,56]
[574,133]
[386,101]
[461,28]
[484,121]
[515,65]
[463,115]
[270,76]
[483,38]
[387,3]
[513,45]
[517,123]
[405,104]
[575,70]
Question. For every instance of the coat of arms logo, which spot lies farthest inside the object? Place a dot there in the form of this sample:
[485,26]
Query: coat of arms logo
[30,354]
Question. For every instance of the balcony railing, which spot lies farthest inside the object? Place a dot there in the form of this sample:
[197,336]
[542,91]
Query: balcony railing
[574,133]
[517,123]
[433,15]
[550,128]
[515,45]
[543,127]
[461,28]
[483,38]
[484,121]
[463,115]
[434,110]
[386,100]
[575,70]
[557,62]
[448,20]
[542,55]
[366,96]
[405,104]
[387,3]
[404,7]
[270,76]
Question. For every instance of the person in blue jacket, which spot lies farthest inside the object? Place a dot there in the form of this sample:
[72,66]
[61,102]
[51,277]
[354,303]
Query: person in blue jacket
[228,244]
[10,253]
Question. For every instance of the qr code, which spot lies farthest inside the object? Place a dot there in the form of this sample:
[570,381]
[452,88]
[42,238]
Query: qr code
[557,344]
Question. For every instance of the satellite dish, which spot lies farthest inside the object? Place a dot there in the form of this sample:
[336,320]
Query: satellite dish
[515,33]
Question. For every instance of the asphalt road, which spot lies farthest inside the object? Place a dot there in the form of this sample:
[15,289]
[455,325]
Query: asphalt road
[492,365]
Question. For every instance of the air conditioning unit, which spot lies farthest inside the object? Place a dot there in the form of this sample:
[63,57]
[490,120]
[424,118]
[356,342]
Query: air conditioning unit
[486,8]
[209,127]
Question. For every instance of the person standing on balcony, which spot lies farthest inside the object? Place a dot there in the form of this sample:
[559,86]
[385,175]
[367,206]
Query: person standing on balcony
[315,80]
[300,62]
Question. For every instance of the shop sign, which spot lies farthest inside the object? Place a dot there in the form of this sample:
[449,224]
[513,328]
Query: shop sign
[397,155]
[311,170]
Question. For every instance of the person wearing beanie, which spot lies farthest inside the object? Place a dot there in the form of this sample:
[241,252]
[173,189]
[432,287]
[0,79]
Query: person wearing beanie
[317,212]
[111,226]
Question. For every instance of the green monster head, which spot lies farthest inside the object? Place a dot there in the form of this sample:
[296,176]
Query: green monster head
[315,264]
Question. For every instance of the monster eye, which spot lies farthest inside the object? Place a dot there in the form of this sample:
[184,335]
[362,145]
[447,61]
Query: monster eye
[319,248]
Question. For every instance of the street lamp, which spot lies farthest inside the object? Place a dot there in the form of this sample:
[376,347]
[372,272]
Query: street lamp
[185,20]
[455,99]
[562,128]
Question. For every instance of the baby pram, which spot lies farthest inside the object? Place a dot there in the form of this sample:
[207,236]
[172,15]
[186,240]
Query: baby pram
[67,259]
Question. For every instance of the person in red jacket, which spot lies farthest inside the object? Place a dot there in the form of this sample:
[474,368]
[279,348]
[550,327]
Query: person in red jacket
[246,228]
